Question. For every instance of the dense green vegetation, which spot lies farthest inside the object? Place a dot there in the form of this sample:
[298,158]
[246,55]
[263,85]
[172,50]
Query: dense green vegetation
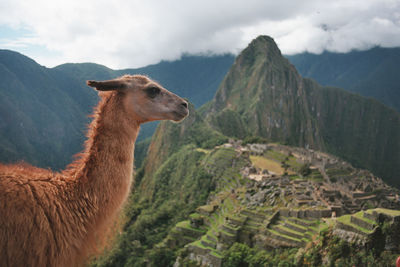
[167,195]
[241,255]
[178,187]
[338,252]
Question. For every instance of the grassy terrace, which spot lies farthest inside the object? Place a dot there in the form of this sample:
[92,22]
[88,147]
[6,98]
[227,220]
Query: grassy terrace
[296,225]
[202,150]
[236,218]
[285,236]
[206,208]
[267,164]
[337,172]
[211,234]
[360,214]
[280,226]
[295,177]
[292,162]
[311,233]
[206,239]
[217,219]
[345,219]
[198,243]
[386,211]
[186,225]
[315,175]
[275,155]
[232,227]
[195,216]
[216,254]
[313,224]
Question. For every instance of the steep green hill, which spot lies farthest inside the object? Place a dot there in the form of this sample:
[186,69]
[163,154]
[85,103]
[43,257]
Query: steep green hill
[39,121]
[197,200]
[264,95]
[373,73]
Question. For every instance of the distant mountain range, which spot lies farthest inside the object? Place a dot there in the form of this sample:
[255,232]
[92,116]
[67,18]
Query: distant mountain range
[373,73]
[43,112]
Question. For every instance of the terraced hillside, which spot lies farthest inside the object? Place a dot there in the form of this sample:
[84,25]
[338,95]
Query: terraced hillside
[265,210]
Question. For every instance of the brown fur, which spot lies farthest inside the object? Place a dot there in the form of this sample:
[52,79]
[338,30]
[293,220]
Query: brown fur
[59,219]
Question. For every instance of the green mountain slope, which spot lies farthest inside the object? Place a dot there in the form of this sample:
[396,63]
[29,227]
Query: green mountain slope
[43,113]
[40,123]
[198,200]
[194,198]
[192,77]
[263,95]
[373,73]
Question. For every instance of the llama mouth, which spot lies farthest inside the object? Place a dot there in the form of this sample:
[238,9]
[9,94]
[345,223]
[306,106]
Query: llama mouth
[180,115]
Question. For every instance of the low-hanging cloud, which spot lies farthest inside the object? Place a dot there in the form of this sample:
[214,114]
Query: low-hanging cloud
[123,34]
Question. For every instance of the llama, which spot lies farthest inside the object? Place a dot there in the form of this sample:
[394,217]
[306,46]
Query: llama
[59,218]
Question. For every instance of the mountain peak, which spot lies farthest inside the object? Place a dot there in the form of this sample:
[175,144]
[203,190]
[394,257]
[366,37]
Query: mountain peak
[264,42]
[259,70]
[263,47]
[263,95]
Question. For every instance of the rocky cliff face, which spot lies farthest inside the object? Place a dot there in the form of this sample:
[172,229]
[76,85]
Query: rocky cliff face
[264,95]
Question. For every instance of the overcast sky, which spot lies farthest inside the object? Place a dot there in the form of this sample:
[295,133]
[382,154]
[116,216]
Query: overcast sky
[122,34]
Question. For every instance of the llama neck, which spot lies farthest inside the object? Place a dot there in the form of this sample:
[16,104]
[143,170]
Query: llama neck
[105,172]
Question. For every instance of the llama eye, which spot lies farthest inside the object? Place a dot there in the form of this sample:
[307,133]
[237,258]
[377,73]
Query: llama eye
[152,92]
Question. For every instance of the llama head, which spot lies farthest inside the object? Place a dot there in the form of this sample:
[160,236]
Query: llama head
[145,99]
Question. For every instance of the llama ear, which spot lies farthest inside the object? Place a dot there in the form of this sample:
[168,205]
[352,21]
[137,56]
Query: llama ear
[107,85]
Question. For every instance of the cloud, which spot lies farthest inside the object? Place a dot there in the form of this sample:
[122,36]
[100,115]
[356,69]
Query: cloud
[122,34]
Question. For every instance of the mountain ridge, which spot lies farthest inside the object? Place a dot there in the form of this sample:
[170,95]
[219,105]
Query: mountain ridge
[371,73]
[270,99]
[44,112]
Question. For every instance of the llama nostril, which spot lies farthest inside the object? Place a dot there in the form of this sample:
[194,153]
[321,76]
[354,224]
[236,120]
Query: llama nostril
[185,104]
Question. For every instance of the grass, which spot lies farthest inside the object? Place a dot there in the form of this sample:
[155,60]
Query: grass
[195,216]
[226,233]
[216,254]
[346,220]
[286,236]
[211,234]
[360,214]
[231,227]
[292,162]
[295,177]
[337,172]
[198,243]
[315,175]
[205,238]
[388,211]
[297,225]
[206,208]
[284,228]
[267,164]
[202,150]
[275,155]
[186,224]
